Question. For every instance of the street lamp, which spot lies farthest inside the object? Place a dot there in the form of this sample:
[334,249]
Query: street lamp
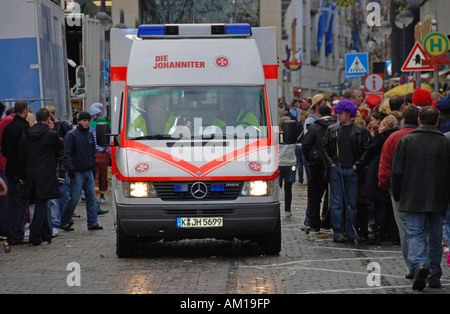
[385,31]
[402,21]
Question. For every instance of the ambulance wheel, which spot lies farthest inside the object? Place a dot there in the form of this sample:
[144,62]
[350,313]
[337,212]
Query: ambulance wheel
[126,246]
[271,242]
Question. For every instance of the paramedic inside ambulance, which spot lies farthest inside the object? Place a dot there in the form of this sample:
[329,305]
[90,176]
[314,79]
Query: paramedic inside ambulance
[234,113]
[155,118]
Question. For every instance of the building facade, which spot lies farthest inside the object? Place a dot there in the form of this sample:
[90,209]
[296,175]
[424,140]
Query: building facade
[321,49]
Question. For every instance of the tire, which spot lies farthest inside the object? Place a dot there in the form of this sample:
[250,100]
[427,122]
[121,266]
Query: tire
[271,242]
[126,246]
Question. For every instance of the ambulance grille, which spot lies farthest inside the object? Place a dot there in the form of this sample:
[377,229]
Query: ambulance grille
[181,191]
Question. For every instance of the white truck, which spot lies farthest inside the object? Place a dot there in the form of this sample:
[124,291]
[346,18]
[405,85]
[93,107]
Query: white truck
[194,134]
[33,58]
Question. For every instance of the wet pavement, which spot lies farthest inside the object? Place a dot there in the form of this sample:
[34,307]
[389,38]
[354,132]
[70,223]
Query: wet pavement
[85,262]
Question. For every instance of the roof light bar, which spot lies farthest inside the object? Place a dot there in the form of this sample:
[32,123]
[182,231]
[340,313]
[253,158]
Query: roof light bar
[194,30]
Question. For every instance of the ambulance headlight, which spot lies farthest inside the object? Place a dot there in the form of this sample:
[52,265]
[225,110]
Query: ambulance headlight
[258,188]
[139,189]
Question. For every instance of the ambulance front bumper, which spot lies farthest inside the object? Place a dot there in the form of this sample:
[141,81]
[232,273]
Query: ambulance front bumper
[178,221]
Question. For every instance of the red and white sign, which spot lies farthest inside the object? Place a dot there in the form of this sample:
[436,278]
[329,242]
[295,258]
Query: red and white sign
[374,84]
[417,60]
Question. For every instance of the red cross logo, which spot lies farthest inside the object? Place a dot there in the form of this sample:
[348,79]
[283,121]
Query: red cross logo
[222,62]
[255,166]
[142,167]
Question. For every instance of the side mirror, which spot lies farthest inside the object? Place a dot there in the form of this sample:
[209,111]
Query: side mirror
[80,74]
[103,133]
[289,132]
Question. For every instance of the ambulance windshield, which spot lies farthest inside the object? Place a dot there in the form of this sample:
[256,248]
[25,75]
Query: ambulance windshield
[191,112]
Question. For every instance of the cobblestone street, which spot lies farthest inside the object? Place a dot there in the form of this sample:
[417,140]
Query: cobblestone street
[308,264]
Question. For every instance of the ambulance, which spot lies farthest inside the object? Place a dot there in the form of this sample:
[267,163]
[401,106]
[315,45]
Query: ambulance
[194,134]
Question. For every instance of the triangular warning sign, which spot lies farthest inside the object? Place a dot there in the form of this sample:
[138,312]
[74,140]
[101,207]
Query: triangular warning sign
[415,60]
[357,67]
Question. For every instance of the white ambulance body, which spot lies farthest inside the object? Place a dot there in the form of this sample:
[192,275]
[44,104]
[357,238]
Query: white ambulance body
[181,169]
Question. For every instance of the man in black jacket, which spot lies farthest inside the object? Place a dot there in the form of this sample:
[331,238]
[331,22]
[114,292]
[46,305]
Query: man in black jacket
[81,166]
[312,150]
[17,206]
[420,182]
[343,147]
[38,151]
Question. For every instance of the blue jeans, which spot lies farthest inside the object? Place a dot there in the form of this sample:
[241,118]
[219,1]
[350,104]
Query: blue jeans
[55,213]
[343,187]
[424,242]
[446,226]
[82,181]
[301,162]
[401,218]
[57,205]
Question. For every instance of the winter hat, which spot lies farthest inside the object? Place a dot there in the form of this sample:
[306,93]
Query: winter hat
[421,97]
[443,105]
[96,108]
[83,115]
[373,100]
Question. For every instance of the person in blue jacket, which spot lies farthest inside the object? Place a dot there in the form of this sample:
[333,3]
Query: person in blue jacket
[81,166]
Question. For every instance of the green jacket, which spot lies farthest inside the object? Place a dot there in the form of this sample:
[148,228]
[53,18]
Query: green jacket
[248,119]
[140,123]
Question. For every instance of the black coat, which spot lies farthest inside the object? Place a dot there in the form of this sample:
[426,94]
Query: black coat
[372,160]
[39,150]
[313,140]
[10,144]
[361,142]
[420,176]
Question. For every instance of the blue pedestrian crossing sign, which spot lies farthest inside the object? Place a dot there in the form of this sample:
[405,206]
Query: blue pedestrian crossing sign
[356,64]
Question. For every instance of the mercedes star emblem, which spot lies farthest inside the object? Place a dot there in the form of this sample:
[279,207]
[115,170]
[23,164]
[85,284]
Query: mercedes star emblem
[199,190]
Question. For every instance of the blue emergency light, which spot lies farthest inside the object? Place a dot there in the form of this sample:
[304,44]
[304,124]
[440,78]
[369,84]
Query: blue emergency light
[180,188]
[217,187]
[194,30]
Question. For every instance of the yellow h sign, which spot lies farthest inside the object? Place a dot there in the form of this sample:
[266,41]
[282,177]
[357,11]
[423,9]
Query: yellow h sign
[436,44]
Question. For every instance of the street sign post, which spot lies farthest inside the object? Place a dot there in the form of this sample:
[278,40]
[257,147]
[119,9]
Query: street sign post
[417,78]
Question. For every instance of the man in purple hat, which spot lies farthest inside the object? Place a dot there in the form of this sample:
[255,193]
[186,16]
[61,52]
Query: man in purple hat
[344,144]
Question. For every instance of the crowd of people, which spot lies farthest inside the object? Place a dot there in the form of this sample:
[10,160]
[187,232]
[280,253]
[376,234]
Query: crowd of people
[379,168]
[45,166]
[375,170]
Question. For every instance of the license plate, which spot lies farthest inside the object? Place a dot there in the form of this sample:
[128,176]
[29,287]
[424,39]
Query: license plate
[199,222]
